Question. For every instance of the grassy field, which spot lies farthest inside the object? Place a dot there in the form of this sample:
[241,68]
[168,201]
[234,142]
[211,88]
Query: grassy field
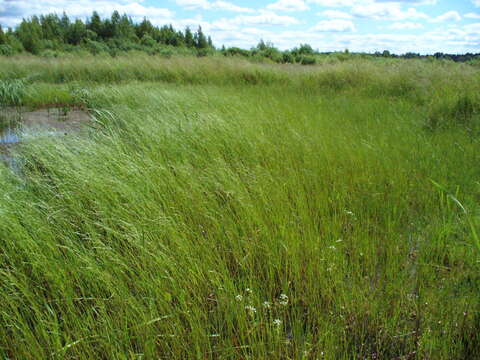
[219,209]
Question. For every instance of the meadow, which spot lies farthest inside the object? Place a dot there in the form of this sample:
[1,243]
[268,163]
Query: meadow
[220,209]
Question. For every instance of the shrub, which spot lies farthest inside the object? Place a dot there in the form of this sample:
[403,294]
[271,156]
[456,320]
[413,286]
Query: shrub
[95,47]
[203,52]
[165,52]
[49,54]
[308,60]
[6,50]
[233,51]
[288,58]
[148,41]
[303,49]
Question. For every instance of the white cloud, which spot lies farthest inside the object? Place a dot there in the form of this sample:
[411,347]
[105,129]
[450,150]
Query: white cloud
[335,14]
[351,3]
[458,40]
[336,25]
[406,26]
[413,2]
[476,3]
[13,11]
[215,5]
[448,16]
[265,17]
[335,3]
[193,4]
[472,16]
[288,5]
[473,29]
[386,11]
[223,5]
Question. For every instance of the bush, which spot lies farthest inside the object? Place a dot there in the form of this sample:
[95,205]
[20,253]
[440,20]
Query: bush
[234,51]
[288,58]
[95,47]
[204,52]
[165,52]
[148,41]
[49,54]
[308,60]
[304,49]
[6,50]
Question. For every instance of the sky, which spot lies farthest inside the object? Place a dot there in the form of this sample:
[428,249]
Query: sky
[421,26]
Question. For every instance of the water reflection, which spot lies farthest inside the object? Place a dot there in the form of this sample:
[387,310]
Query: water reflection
[20,125]
[9,136]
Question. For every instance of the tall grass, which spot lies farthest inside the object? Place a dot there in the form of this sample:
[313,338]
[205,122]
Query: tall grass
[11,92]
[216,220]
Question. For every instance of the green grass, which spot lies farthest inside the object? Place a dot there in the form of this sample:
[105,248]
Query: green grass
[324,184]
[11,92]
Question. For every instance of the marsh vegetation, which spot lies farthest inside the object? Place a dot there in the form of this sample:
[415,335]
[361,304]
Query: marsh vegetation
[220,209]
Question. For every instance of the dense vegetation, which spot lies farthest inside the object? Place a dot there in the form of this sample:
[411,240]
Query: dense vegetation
[49,34]
[220,209]
[52,36]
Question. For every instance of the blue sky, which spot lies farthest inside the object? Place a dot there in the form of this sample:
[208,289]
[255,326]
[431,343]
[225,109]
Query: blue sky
[424,26]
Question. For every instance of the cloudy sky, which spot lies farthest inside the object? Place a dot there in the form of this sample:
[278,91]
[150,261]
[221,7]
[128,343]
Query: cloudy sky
[424,26]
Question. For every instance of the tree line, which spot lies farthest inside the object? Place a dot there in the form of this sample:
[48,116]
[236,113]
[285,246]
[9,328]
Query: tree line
[116,33]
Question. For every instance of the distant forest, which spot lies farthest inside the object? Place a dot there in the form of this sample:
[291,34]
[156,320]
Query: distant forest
[52,35]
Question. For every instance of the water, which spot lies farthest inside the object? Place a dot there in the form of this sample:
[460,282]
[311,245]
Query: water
[20,125]
[10,117]
[9,136]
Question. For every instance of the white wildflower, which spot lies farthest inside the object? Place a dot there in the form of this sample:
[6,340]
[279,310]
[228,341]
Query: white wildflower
[250,309]
[277,322]
[248,290]
[283,299]
[239,297]
[267,305]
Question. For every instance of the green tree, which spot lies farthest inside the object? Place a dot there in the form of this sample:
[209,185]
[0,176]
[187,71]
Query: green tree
[108,30]
[201,41]
[305,49]
[30,34]
[76,33]
[125,29]
[145,27]
[115,18]
[64,25]
[3,37]
[95,23]
[189,40]
[261,45]
[51,27]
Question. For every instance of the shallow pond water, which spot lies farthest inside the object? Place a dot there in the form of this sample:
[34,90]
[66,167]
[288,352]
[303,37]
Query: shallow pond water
[18,125]
[8,136]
